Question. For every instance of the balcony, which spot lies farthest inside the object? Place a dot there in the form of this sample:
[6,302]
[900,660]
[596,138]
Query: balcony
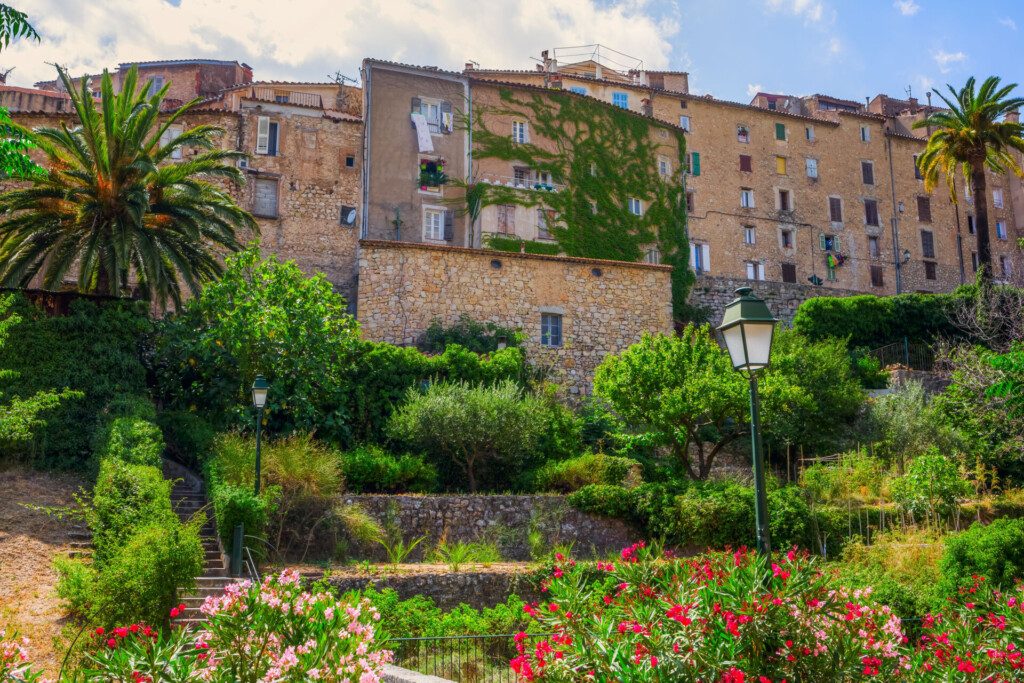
[303,99]
[522,182]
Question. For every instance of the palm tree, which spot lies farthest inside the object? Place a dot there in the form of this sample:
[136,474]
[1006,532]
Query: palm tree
[109,207]
[973,135]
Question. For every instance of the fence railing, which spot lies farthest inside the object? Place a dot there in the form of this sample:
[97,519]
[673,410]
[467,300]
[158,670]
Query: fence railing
[463,659]
[913,356]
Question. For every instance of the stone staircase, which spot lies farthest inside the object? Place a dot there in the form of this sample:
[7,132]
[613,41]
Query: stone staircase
[187,498]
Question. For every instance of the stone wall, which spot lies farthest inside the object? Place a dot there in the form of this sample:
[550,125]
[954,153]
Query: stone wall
[478,588]
[605,305]
[713,293]
[504,519]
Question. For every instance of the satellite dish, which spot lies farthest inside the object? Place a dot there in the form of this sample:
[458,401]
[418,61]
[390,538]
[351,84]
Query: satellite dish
[348,215]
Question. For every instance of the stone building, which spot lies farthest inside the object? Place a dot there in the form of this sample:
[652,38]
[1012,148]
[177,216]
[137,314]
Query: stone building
[15,99]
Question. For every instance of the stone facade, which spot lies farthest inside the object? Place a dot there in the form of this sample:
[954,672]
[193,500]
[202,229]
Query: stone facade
[602,306]
[783,298]
[504,519]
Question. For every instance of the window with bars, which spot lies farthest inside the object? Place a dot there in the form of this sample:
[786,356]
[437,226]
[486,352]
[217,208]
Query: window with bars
[927,244]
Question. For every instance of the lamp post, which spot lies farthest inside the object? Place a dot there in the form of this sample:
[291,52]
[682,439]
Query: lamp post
[748,328]
[260,388]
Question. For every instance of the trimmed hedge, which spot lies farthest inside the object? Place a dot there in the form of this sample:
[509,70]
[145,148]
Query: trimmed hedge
[126,497]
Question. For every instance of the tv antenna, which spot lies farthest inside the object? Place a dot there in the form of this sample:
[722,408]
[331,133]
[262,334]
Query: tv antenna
[341,78]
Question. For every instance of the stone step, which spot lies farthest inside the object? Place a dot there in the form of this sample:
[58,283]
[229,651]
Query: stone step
[79,554]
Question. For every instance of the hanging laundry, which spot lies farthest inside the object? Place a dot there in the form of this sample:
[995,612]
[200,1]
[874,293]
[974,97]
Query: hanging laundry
[422,132]
[447,121]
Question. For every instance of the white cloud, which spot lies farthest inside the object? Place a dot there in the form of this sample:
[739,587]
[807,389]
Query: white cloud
[835,46]
[907,8]
[308,40]
[946,60]
[754,88]
[812,11]
[1008,23]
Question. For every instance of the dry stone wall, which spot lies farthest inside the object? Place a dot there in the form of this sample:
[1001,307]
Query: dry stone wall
[604,306]
[713,293]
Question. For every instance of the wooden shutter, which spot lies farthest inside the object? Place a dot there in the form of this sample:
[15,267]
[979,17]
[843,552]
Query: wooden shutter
[835,209]
[877,277]
[449,225]
[867,171]
[746,163]
[924,209]
[927,244]
[871,212]
[789,272]
[447,122]
[705,252]
[780,131]
[262,134]
[695,166]
[780,165]
[415,105]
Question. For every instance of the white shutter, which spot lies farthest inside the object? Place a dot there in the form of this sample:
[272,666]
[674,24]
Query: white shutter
[705,252]
[262,134]
[693,255]
[760,271]
[526,131]
[173,132]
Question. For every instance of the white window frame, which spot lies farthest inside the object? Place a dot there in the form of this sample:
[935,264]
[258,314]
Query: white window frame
[547,319]
[997,198]
[749,234]
[173,131]
[636,206]
[743,134]
[652,255]
[811,165]
[755,270]
[747,198]
[430,108]
[809,133]
[428,214]
[865,133]
[520,132]
[684,122]
[1001,230]
[664,167]
[700,255]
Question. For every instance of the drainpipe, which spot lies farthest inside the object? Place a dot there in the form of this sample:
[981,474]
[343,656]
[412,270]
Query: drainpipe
[468,141]
[363,221]
[897,262]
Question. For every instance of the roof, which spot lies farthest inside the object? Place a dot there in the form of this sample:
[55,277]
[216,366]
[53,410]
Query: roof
[527,86]
[839,100]
[35,91]
[491,253]
[173,62]
[251,84]
[431,69]
[333,114]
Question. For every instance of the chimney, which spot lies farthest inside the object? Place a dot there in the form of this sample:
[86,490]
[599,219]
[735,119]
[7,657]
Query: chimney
[914,105]
[469,66]
[1013,117]
[341,99]
[646,107]
[550,65]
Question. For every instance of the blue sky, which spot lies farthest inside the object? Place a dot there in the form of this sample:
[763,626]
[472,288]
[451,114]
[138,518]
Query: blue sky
[846,48]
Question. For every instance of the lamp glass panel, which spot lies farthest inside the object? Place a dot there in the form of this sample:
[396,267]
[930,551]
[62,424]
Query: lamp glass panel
[759,343]
[734,342]
[259,397]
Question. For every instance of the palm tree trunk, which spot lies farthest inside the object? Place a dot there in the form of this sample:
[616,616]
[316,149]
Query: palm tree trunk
[981,216]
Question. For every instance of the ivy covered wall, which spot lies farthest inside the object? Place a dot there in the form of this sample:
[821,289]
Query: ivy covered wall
[602,156]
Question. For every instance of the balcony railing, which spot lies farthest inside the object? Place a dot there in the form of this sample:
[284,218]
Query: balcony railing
[305,99]
[522,183]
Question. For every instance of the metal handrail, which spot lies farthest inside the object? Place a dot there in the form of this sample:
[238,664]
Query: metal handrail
[250,566]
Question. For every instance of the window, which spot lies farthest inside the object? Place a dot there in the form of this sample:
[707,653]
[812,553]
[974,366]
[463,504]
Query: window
[520,135]
[867,172]
[748,235]
[281,99]
[747,198]
[433,224]
[809,133]
[865,134]
[743,134]
[835,209]
[544,224]
[664,167]
[771,105]
[755,270]
[870,212]
[1004,266]
[689,201]
[970,224]
[172,132]
[266,136]
[872,246]
[786,238]
[155,83]
[522,177]
[652,255]
[684,121]
[785,201]
[635,207]
[812,168]
[265,197]
[789,272]
[829,243]
[929,270]
[974,261]
[997,198]
[350,161]
[431,111]
[924,209]
[506,219]
[700,257]
[620,99]
[830,271]
[550,329]
[780,131]
[780,165]
[695,163]
[432,175]
[927,244]
[578,89]
[746,163]
[917,171]
[877,276]
[1001,230]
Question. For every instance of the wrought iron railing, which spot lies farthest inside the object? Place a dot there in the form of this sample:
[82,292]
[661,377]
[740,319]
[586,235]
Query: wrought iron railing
[463,659]
[913,356]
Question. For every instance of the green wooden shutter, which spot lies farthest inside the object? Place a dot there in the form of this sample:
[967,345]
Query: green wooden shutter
[780,131]
[695,166]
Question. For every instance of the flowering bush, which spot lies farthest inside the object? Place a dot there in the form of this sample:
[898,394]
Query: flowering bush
[735,617]
[14,661]
[254,634]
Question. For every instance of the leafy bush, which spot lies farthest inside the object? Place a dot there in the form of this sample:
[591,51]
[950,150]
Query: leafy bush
[125,498]
[455,555]
[566,476]
[141,582]
[132,440]
[485,432]
[478,337]
[995,551]
[371,469]
[234,505]
[604,499]
[420,617]
[932,487]
[714,515]
[75,586]
[189,437]
[93,351]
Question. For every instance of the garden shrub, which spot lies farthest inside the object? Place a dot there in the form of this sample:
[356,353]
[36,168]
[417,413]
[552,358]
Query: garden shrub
[188,437]
[141,582]
[125,498]
[931,489]
[995,551]
[75,586]
[420,617]
[94,351]
[566,476]
[133,440]
[608,500]
[714,515]
[371,469]
[234,505]
[788,518]
[478,337]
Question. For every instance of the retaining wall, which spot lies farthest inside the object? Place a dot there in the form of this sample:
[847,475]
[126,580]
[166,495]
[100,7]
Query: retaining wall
[783,298]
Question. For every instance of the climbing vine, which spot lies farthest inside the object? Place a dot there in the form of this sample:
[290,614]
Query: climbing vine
[602,156]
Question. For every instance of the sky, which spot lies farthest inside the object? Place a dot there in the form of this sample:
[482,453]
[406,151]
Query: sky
[732,48]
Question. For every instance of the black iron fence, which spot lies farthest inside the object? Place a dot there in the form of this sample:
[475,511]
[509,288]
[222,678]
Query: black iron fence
[463,659]
[913,356]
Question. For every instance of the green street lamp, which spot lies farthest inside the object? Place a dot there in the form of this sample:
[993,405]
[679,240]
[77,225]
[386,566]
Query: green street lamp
[260,389]
[748,328]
